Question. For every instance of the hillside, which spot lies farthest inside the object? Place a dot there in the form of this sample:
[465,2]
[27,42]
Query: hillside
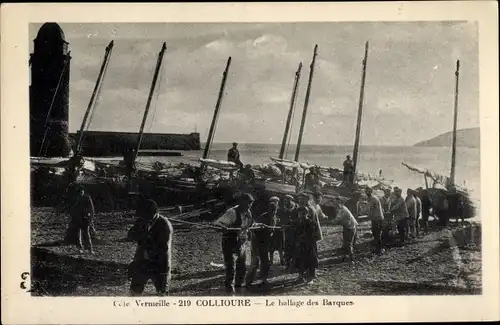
[465,138]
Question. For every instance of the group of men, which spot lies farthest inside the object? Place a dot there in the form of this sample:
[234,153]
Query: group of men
[292,228]
[408,215]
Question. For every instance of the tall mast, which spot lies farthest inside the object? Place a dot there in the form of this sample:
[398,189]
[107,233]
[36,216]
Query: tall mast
[148,104]
[211,132]
[290,112]
[360,112]
[306,103]
[454,141]
[104,65]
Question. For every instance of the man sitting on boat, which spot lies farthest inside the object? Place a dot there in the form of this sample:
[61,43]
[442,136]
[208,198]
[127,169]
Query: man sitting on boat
[233,155]
[348,170]
[312,179]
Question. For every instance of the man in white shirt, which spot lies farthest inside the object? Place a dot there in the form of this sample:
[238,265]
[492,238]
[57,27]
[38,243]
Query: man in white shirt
[376,215]
[350,226]
[400,212]
[411,205]
[235,223]
[419,211]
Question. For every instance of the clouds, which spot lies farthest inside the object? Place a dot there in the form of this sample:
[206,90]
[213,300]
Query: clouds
[408,94]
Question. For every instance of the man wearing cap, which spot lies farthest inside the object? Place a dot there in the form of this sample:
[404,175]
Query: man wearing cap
[304,200]
[350,228]
[287,218]
[376,216]
[261,243]
[316,206]
[277,237]
[235,223]
[152,260]
[400,212]
[411,205]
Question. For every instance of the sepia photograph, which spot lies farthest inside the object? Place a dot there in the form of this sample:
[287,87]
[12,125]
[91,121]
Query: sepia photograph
[255,159]
[249,162]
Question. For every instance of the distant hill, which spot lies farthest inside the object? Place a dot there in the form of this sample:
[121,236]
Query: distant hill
[465,138]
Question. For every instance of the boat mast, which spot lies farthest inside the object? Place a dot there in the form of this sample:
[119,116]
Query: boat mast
[360,112]
[290,112]
[454,141]
[306,103]
[104,65]
[211,132]
[148,103]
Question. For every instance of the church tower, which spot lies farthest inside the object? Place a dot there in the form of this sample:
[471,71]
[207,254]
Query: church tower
[49,93]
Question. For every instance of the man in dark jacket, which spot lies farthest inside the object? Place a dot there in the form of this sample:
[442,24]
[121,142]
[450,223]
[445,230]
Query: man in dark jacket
[153,234]
[260,244]
[233,155]
[82,215]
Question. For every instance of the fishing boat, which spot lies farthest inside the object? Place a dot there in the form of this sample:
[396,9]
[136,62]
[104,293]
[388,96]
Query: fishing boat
[448,198]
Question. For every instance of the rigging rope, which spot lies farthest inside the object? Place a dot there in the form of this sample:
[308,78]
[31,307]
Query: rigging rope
[157,96]
[94,105]
[291,124]
[46,125]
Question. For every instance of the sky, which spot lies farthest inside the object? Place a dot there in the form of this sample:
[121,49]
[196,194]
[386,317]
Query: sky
[409,88]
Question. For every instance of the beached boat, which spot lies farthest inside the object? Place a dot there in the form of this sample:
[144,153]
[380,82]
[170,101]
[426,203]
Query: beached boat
[449,199]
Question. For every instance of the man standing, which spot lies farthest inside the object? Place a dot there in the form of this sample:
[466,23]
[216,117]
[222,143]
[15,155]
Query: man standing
[387,224]
[411,205]
[400,212]
[305,200]
[233,155]
[426,208]
[376,216]
[235,223]
[153,234]
[287,220]
[260,244]
[349,170]
[350,226]
[353,203]
[82,214]
[418,204]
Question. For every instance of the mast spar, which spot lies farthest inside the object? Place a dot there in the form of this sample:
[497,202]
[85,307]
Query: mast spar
[92,101]
[360,112]
[148,103]
[455,115]
[290,112]
[213,126]
[306,103]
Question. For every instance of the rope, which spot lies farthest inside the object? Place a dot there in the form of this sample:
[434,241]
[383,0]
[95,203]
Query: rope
[96,99]
[50,107]
[291,124]
[157,96]
[223,228]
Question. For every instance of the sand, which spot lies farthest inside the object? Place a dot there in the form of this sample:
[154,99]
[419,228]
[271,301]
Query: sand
[444,262]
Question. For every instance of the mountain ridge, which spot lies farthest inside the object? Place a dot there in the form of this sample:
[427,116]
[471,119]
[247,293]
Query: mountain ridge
[468,138]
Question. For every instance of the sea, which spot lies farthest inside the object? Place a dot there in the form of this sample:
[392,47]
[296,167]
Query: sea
[371,159]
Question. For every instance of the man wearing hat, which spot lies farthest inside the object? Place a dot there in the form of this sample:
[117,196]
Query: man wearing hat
[153,234]
[235,223]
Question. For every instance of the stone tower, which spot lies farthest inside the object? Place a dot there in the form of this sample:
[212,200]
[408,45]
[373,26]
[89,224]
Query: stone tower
[49,93]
